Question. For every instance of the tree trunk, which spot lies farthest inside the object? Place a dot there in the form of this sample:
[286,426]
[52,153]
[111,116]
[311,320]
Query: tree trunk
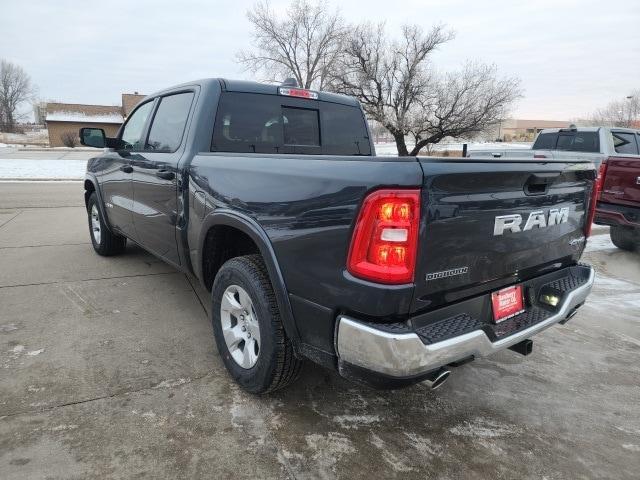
[401,144]
[416,149]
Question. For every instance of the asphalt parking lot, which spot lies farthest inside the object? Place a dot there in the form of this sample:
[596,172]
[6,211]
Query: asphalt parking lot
[108,369]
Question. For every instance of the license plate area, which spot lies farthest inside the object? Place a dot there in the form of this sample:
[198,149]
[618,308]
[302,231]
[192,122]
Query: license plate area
[507,303]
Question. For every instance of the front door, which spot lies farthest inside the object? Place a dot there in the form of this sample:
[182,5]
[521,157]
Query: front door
[116,181]
[155,176]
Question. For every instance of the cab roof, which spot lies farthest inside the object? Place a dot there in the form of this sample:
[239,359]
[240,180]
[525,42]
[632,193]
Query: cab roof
[257,87]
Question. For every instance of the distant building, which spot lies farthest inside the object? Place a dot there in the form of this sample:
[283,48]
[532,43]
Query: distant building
[63,119]
[518,130]
[129,102]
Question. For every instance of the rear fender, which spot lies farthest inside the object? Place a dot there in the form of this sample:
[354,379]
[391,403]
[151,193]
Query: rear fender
[251,228]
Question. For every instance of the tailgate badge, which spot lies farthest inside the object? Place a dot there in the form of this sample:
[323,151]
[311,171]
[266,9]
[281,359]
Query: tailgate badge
[574,242]
[447,273]
[512,223]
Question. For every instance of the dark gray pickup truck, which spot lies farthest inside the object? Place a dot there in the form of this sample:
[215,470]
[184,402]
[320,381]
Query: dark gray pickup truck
[389,270]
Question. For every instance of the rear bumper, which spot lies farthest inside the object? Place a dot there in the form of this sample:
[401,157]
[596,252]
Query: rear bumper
[396,354]
[613,214]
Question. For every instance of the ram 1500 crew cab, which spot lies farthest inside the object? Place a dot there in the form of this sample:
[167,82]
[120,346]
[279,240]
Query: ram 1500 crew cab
[389,270]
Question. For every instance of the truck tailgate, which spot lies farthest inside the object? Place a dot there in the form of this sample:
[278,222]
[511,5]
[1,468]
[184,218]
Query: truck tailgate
[621,182]
[491,223]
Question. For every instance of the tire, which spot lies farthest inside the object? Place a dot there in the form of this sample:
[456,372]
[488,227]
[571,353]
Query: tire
[104,242]
[625,238]
[270,366]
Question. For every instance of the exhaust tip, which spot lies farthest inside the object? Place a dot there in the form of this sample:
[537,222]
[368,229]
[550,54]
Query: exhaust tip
[438,378]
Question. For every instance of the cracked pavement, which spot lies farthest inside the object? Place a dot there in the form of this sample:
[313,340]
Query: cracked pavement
[108,369]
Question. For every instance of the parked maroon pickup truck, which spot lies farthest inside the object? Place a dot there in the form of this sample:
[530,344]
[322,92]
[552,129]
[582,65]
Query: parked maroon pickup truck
[619,197]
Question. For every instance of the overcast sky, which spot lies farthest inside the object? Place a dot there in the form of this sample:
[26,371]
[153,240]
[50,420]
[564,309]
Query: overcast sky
[571,55]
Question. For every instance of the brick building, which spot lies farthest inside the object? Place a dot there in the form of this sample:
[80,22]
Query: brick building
[64,119]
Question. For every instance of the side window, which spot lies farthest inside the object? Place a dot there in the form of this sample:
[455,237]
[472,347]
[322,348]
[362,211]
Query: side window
[169,121]
[625,143]
[546,141]
[248,123]
[132,132]
[344,130]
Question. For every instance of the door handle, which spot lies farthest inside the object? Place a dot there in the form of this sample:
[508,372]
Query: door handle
[165,174]
[126,168]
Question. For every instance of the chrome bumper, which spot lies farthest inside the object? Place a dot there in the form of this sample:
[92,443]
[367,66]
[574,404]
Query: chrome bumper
[405,355]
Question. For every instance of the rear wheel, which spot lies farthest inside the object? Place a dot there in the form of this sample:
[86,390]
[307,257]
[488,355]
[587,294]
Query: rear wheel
[103,240]
[625,238]
[247,327]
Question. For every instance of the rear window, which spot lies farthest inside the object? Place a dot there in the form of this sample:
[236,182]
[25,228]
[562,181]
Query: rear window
[625,143]
[256,123]
[568,141]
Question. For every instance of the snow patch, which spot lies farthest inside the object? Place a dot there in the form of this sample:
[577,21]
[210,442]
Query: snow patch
[9,327]
[424,446]
[598,243]
[631,446]
[172,383]
[62,428]
[484,428]
[82,117]
[26,169]
[33,353]
[356,421]
[328,450]
[397,463]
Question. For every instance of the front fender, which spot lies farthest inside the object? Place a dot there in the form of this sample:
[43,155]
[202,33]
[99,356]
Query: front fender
[251,228]
[89,177]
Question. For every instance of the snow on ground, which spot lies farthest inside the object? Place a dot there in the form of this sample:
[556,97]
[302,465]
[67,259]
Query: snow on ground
[389,148]
[28,169]
[82,117]
[599,242]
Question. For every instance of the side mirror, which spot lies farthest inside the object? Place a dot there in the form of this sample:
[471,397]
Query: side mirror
[93,137]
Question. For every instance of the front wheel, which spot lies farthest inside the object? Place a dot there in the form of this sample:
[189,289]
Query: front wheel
[247,327]
[104,242]
[625,238]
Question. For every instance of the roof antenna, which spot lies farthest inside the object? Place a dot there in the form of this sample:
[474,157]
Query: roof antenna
[290,82]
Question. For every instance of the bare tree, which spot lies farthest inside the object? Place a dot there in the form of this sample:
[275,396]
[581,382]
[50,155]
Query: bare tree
[619,113]
[15,88]
[304,44]
[396,87]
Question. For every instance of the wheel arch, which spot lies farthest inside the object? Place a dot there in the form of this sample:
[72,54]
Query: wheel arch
[249,227]
[91,185]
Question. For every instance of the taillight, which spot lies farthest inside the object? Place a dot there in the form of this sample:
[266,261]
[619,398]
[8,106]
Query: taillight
[602,172]
[385,239]
[595,196]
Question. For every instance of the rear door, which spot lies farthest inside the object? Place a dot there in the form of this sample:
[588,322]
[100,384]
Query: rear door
[115,183]
[622,180]
[492,223]
[155,175]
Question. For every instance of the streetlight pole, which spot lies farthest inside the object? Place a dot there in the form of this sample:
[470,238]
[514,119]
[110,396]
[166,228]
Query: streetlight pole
[629,114]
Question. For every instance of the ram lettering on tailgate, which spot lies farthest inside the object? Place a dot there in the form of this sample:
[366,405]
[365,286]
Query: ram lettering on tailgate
[512,223]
